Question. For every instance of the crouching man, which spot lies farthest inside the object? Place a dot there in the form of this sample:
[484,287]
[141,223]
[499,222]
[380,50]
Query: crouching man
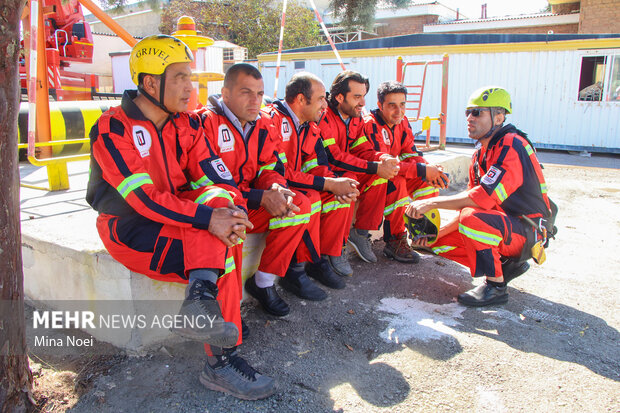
[505,216]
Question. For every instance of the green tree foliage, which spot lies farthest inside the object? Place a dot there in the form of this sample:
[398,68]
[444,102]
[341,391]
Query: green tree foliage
[361,13]
[254,24]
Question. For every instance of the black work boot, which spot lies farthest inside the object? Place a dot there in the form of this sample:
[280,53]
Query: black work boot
[483,295]
[201,307]
[322,272]
[245,330]
[229,373]
[512,268]
[297,282]
[267,297]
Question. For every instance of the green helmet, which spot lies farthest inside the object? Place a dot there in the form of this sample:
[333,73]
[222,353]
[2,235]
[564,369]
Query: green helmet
[425,227]
[490,97]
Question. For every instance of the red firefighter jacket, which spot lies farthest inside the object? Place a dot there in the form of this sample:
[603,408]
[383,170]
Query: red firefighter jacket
[136,168]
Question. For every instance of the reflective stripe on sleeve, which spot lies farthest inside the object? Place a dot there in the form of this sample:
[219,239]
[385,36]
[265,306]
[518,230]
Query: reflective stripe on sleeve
[133,182]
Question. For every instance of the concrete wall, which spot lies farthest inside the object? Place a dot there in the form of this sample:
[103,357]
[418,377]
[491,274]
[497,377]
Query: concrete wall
[599,16]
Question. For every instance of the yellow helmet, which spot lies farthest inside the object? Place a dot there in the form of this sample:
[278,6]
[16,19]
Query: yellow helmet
[154,54]
[425,227]
[490,97]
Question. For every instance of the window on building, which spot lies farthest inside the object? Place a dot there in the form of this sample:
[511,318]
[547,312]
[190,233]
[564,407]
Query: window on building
[300,64]
[229,54]
[600,78]
[614,80]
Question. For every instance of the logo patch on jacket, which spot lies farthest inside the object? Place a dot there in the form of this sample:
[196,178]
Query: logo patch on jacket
[225,139]
[492,175]
[142,140]
[221,169]
[386,137]
[286,130]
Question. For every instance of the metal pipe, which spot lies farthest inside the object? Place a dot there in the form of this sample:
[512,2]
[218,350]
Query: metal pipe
[275,88]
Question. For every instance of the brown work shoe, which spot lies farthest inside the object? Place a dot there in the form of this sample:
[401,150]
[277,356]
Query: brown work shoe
[399,250]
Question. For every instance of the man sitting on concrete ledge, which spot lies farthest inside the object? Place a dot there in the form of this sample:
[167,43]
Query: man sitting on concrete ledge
[167,206]
[247,142]
[388,129]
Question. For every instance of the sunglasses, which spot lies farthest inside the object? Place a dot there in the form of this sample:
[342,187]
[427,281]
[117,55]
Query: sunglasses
[475,112]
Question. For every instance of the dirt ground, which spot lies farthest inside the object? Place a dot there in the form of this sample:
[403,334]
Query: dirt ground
[395,339]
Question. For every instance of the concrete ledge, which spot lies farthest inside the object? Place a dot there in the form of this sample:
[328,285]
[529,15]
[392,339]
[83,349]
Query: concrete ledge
[64,259]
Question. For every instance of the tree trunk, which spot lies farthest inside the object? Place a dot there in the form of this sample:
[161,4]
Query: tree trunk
[15,375]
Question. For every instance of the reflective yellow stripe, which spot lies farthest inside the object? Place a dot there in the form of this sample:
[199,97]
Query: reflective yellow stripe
[358,142]
[443,248]
[209,194]
[424,191]
[529,149]
[230,265]
[275,223]
[315,208]
[500,191]
[378,181]
[282,157]
[332,206]
[404,156]
[398,204]
[480,236]
[309,165]
[269,167]
[543,188]
[133,182]
[327,142]
[204,181]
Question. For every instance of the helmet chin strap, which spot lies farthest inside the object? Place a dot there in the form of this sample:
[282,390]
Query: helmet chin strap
[493,128]
[160,103]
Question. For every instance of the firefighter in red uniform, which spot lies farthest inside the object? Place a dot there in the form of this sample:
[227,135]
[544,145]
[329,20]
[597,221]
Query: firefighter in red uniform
[166,206]
[389,131]
[307,169]
[352,155]
[247,143]
[493,234]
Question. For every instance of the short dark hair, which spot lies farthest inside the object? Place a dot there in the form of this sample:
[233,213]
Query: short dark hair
[300,83]
[247,69]
[340,85]
[391,86]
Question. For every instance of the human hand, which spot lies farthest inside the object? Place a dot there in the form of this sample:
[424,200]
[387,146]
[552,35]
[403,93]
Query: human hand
[344,189]
[229,224]
[436,177]
[278,201]
[388,167]
[416,209]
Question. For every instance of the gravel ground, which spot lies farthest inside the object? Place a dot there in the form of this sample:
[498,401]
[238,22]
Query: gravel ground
[395,339]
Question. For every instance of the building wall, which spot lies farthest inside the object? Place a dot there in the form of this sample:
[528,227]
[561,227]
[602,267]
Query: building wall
[599,16]
[404,25]
[565,8]
[139,24]
[560,28]
[544,86]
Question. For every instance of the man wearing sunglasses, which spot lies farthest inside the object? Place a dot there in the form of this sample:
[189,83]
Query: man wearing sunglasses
[506,184]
